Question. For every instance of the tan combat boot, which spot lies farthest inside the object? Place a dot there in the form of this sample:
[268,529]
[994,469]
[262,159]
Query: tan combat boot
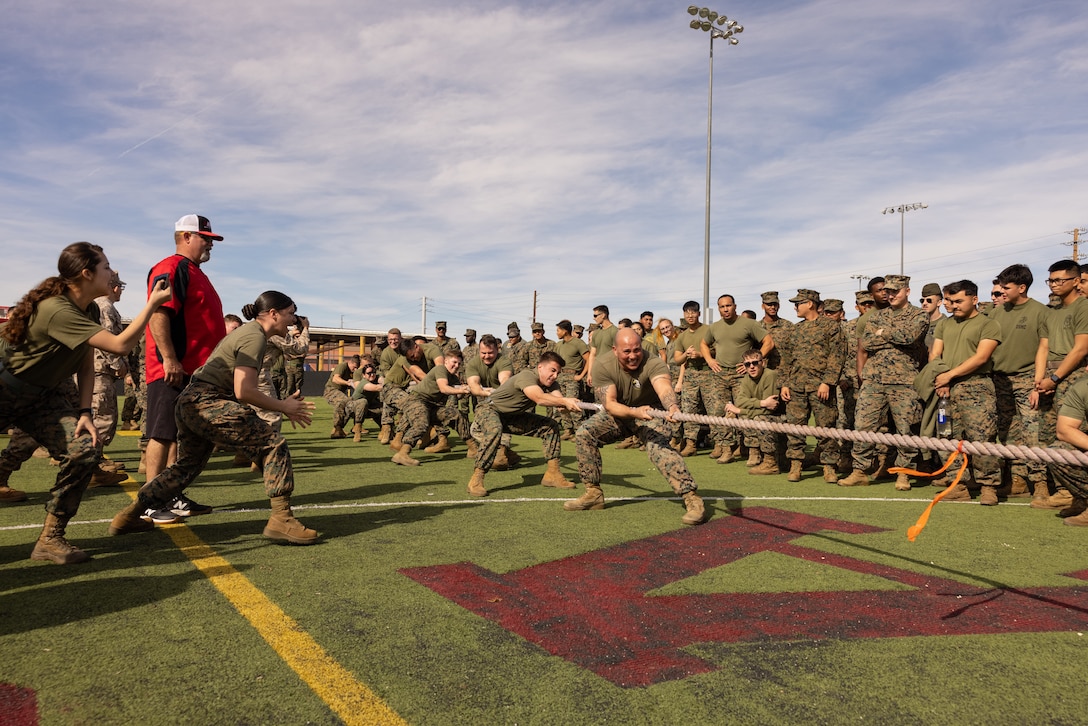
[959,493]
[440,446]
[283,526]
[473,449]
[128,520]
[593,498]
[385,434]
[338,433]
[9,495]
[476,484]
[631,442]
[988,496]
[396,443]
[554,478]
[754,457]
[727,456]
[357,432]
[689,448]
[240,459]
[53,547]
[402,456]
[795,470]
[765,467]
[1080,519]
[902,483]
[696,512]
[103,478]
[718,451]
[1058,500]
[1019,487]
[501,463]
[857,478]
[513,457]
[1079,506]
[830,475]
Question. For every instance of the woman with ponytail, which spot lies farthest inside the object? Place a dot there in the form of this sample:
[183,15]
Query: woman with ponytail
[216,408]
[49,337]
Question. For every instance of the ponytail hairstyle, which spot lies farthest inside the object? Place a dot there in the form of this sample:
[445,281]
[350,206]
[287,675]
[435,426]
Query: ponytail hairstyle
[74,259]
[269,300]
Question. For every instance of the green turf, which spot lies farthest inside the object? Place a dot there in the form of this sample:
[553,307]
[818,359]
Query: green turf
[139,635]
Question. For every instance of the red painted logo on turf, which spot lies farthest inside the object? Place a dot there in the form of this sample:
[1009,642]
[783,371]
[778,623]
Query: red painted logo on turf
[594,610]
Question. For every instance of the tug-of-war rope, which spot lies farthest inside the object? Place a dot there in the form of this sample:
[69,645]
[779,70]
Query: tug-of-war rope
[959,449]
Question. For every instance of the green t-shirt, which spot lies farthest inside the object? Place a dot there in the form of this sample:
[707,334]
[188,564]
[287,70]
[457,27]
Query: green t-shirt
[427,389]
[398,372]
[1021,328]
[510,396]
[1075,402]
[1062,327]
[56,342]
[488,375]
[691,338]
[572,352]
[243,347]
[603,339]
[632,388]
[342,370]
[387,359]
[961,339]
[732,340]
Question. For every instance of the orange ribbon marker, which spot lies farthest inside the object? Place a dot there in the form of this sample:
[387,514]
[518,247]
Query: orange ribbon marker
[915,530]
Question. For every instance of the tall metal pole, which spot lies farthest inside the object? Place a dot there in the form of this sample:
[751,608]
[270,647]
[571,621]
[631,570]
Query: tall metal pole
[902,227]
[706,240]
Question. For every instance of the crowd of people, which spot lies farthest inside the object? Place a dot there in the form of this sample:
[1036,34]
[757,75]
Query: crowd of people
[1009,369]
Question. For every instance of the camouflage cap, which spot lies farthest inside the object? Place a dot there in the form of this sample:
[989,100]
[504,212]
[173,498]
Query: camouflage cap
[579,328]
[513,328]
[896,282]
[931,289]
[806,295]
[470,333]
[985,307]
[1055,301]
[831,305]
[594,326]
[863,296]
[770,297]
[537,327]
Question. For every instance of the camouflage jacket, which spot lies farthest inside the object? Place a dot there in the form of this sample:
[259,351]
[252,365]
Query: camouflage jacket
[813,354]
[895,341]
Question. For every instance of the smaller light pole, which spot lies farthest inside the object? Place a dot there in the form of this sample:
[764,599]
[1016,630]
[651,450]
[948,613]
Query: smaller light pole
[903,209]
[859,278]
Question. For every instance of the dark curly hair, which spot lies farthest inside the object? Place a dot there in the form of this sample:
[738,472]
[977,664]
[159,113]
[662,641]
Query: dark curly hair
[74,259]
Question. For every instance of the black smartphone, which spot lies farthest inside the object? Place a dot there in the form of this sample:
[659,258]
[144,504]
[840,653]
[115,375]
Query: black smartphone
[164,277]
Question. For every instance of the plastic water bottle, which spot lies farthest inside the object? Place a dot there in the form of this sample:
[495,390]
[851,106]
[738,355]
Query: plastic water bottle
[944,421]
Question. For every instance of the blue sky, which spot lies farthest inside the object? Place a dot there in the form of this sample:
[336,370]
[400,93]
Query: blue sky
[361,156]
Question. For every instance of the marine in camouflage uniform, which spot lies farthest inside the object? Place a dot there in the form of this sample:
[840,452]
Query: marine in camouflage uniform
[516,348]
[778,328]
[108,367]
[466,404]
[894,340]
[447,345]
[628,380]
[573,351]
[135,397]
[338,393]
[294,365]
[812,361]
[697,382]
[425,405]
[21,446]
[1072,478]
[850,384]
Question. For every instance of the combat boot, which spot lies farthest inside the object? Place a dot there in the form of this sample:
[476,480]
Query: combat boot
[988,496]
[689,448]
[103,478]
[128,520]
[857,478]
[1019,489]
[385,434]
[402,456]
[1078,506]
[397,442]
[696,512]
[593,498]
[52,545]
[631,442]
[553,477]
[958,493]
[141,468]
[357,432]
[717,452]
[727,456]
[9,495]
[338,433]
[767,466]
[1058,500]
[567,435]
[111,465]
[501,463]
[473,449]
[830,475]
[1077,520]
[440,446]
[754,457]
[795,470]
[283,526]
[476,486]
[512,456]
[902,483]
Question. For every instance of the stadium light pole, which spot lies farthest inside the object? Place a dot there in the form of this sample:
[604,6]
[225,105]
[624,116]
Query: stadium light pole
[718,26]
[903,209]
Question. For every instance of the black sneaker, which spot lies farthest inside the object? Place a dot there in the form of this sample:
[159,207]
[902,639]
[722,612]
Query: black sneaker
[183,506]
[160,516]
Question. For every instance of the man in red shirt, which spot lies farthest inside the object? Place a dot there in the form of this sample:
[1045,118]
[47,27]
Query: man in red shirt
[180,336]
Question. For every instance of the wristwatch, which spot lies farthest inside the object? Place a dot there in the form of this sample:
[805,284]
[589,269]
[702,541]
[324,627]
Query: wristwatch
[1054,377]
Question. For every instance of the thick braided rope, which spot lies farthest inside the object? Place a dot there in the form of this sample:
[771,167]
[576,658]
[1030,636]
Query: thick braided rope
[1027,453]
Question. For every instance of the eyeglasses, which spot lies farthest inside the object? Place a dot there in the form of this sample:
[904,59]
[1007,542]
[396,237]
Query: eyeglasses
[922,300]
[118,285]
[997,293]
[1059,280]
[753,363]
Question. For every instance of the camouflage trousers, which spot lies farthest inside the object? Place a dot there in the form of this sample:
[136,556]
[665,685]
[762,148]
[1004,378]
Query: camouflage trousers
[695,398]
[1050,405]
[767,442]
[392,397]
[208,417]
[601,429]
[133,409]
[973,404]
[847,403]
[416,416]
[1017,422]
[568,388]
[489,426]
[360,409]
[1066,476]
[339,402]
[104,403]
[295,375]
[721,389]
[49,418]
[21,446]
[880,402]
[799,408]
[272,418]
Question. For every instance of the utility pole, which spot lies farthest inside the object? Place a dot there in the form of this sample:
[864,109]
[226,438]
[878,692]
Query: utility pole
[534,307]
[1076,239]
[423,320]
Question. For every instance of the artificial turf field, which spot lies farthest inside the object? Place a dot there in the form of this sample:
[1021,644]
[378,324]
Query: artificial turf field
[796,603]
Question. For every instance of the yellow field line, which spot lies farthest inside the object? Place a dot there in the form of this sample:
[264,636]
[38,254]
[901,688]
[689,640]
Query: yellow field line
[352,701]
